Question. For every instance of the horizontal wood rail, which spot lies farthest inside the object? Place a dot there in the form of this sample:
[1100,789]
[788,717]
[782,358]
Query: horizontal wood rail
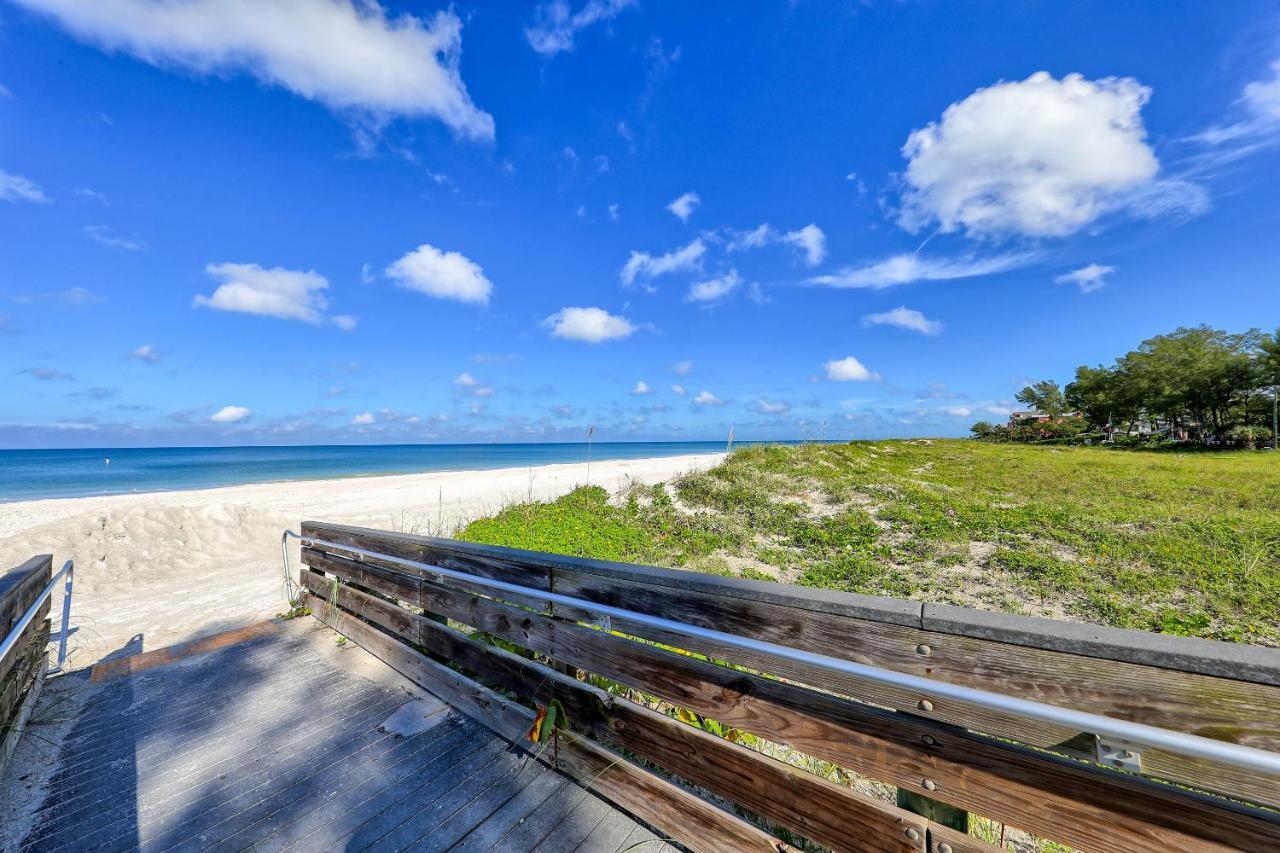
[22,667]
[995,767]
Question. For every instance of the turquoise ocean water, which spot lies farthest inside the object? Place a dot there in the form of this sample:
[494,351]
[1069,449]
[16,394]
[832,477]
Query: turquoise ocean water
[30,474]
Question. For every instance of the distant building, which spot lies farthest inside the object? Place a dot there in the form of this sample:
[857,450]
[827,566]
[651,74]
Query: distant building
[1035,416]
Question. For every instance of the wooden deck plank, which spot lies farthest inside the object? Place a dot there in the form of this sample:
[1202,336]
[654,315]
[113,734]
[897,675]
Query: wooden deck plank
[529,833]
[607,835]
[492,815]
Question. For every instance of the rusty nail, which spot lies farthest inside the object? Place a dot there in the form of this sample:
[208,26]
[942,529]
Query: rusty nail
[929,785]
[925,705]
[924,650]
[912,834]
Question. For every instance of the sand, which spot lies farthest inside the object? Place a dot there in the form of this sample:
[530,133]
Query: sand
[170,566]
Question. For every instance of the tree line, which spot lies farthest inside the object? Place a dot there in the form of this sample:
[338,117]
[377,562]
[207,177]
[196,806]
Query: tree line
[1195,384]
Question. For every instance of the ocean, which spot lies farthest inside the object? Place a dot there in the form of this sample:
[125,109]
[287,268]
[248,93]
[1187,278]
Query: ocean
[33,474]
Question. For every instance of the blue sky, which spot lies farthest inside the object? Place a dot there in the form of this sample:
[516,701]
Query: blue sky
[230,222]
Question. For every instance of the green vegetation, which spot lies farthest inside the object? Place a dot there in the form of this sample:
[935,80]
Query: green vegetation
[1178,543]
[1196,385]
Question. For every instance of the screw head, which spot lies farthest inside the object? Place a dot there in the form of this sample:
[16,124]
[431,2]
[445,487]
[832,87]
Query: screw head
[944,847]
[923,650]
[929,785]
[924,705]
[929,740]
[912,834]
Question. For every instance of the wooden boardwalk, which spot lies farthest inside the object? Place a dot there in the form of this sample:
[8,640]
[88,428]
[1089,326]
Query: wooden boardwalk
[268,740]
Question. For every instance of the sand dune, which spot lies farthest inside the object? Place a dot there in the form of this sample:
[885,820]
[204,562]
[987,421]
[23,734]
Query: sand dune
[174,565]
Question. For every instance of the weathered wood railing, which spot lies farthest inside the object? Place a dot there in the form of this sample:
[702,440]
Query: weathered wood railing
[1044,780]
[22,668]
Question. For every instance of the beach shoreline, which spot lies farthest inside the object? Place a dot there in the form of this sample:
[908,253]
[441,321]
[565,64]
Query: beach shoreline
[173,565]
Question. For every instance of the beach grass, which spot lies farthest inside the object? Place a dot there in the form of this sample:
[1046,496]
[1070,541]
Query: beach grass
[1178,543]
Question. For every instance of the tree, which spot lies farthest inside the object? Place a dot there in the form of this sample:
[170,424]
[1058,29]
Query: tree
[982,429]
[1269,370]
[1044,396]
[1105,396]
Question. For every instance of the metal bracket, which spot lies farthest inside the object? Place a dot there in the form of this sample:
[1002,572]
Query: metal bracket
[1121,754]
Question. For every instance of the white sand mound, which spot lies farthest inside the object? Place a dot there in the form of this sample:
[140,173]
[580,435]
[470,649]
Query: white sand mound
[174,565]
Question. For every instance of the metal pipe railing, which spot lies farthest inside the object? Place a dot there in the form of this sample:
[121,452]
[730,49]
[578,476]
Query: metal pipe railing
[1133,735]
[11,640]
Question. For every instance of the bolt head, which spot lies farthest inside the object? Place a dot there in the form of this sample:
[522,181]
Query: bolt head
[944,848]
[924,705]
[923,650]
[929,740]
[929,785]
[912,834]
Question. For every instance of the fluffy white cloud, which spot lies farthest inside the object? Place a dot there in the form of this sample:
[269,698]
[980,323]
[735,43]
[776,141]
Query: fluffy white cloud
[147,353]
[766,407]
[849,369]
[684,206]
[230,415]
[644,265]
[904,318]
[641,388]
[17,188]
[713,288]
[810,241]
[592,325]
[706,398]
[556,24]
[1039,157]
[960,411]
[906,268]
[448,275]
[678,390]
[349,56]
[466,380]
[275,292]
[1088,278]
[363,419]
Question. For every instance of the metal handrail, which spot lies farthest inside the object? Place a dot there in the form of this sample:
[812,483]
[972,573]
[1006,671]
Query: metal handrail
[10,641]
[1132,735]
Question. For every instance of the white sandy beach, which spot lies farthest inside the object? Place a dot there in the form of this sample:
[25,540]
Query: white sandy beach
[175,565]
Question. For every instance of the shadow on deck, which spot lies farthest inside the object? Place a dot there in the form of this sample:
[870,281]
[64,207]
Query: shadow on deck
[274,739]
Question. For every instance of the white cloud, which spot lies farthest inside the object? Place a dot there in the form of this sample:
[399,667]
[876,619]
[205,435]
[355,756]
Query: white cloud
[1088,278]
[1261,102]
[810,241]
[363,419]
[275,292]
[108,237]
[230,415]
[350,56]
[907,268]
[367,275]
[448,275]
[678,390]
[614,216]
[641,388]
[849,369]
[592,325]
[765,407]
[147,353]
[644,265]
[1038,158]
[466,380]
[713,288]
[706,398]
[17,188]
[684,206]
[904,318]
[960,411]
[556,25]
[483,391]
[683,368]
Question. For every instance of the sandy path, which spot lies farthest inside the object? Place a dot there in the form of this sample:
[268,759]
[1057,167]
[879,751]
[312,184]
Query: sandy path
[173,565]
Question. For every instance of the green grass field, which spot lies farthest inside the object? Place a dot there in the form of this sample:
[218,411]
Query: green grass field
[1178,543]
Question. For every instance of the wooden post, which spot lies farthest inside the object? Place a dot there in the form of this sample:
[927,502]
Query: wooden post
[957,819]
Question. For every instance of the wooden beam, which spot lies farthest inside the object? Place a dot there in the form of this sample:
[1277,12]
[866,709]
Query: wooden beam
[1052,797]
